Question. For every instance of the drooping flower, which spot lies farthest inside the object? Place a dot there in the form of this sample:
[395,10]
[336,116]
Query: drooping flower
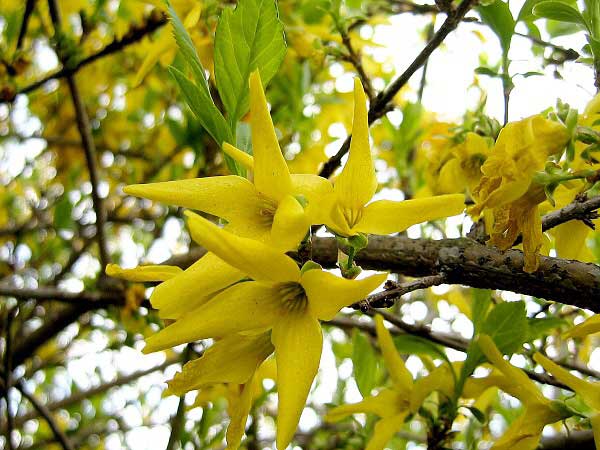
[588,391]
[525,432]
[280,298]
[349,210]
[507,188]
[394,404]
[233,361]
[589,326]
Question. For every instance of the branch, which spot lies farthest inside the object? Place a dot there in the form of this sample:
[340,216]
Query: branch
[43,411]
[90,299]
[155,20]
[579,209]
[354,58]
[382,102]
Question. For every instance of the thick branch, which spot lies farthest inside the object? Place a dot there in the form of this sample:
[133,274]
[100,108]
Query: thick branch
[87,298]
[382,102]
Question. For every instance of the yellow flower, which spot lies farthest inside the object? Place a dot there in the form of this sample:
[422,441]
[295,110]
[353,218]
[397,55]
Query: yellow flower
[349,213]
[590,326]
[587,390]
[524,433]
[280,298]
[507,189]
[394,404]
[234,361]
[269,209]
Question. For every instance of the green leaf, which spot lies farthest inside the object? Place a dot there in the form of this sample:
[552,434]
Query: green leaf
[481,70]
[415,345]
[477,413]
[539,327]
[202,106]
[559,11]
[526,12]
[190,56]
[480,304]
[499,18]
[506,324]
[364,359]
[247,38]
[62,213]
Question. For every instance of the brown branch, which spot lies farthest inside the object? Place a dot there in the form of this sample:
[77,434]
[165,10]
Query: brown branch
[92,299]
[136,33]
[354,58]
[43,411]
[580,209]
[382,103]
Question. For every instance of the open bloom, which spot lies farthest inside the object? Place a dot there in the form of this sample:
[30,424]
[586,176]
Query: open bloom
[588,391]
[394,404]
[348,207]
[280,298]
[525,432]
[507,189]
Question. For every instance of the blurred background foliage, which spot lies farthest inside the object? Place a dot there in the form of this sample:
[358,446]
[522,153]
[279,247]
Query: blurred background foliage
[84,363]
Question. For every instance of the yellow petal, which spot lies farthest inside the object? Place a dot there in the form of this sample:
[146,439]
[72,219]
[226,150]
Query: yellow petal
[240,156]
[357,183]
[402,378]
[590,326]
[233,359]
[290,224]
[254,258]
[439,380]
[570,240]
[520,385]
[386,216]
[238,413]
[194,286]
[387,403]
[525,432]
[451,178]
[231,197]
[589,392]
[160,46]
[244,306]
[192,18]
[531,229]
[143,273]
[298,341]
[271,173]
[315,189]
[327,293]
[384,430]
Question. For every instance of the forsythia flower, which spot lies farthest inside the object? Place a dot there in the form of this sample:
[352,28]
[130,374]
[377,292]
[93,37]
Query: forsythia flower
[394,404]
[590,326]
[280,298]
[524,433]
[506,187]
[348,211]
[588,391]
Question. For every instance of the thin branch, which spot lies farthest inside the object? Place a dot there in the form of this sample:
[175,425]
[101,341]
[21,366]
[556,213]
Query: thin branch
[8,368]
[354,58]
[580,209]
[178,418]
[382,103]
[155,20]
[43,411]
[29,5]
[99,299]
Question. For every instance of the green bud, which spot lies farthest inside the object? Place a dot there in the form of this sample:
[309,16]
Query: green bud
[310,265]
[359,241]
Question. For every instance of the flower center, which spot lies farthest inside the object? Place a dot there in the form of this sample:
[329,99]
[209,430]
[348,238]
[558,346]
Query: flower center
[293,296]
[351,216]
[266,211]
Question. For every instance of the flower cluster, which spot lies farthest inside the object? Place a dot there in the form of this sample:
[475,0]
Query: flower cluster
[246,293]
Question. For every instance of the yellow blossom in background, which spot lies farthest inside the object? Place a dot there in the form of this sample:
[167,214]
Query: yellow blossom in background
[525,432]
[393,405]
[589,391]
[590,326]
[507,189]
[280,298]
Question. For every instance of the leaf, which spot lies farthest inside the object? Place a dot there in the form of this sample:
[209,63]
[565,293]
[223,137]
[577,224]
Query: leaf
[62,213]
[202,106]
[499,18]
[526,12]
[247,38]
[487,71]
[480,304]
[506,324]
[559,11]
[415,345]
[477,413]
[539,327]
[365,363]
[186,47]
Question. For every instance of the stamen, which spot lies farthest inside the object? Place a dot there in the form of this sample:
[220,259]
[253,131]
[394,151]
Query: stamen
[293,296]
[266,211]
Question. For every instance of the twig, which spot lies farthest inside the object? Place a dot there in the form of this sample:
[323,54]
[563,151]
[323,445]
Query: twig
[382,102]
[8,366]
[29,5]
[155,20]
[178,418]
[393,291]
[579,209]
[354,58]
[61,438]
[98,299]
[85,131]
